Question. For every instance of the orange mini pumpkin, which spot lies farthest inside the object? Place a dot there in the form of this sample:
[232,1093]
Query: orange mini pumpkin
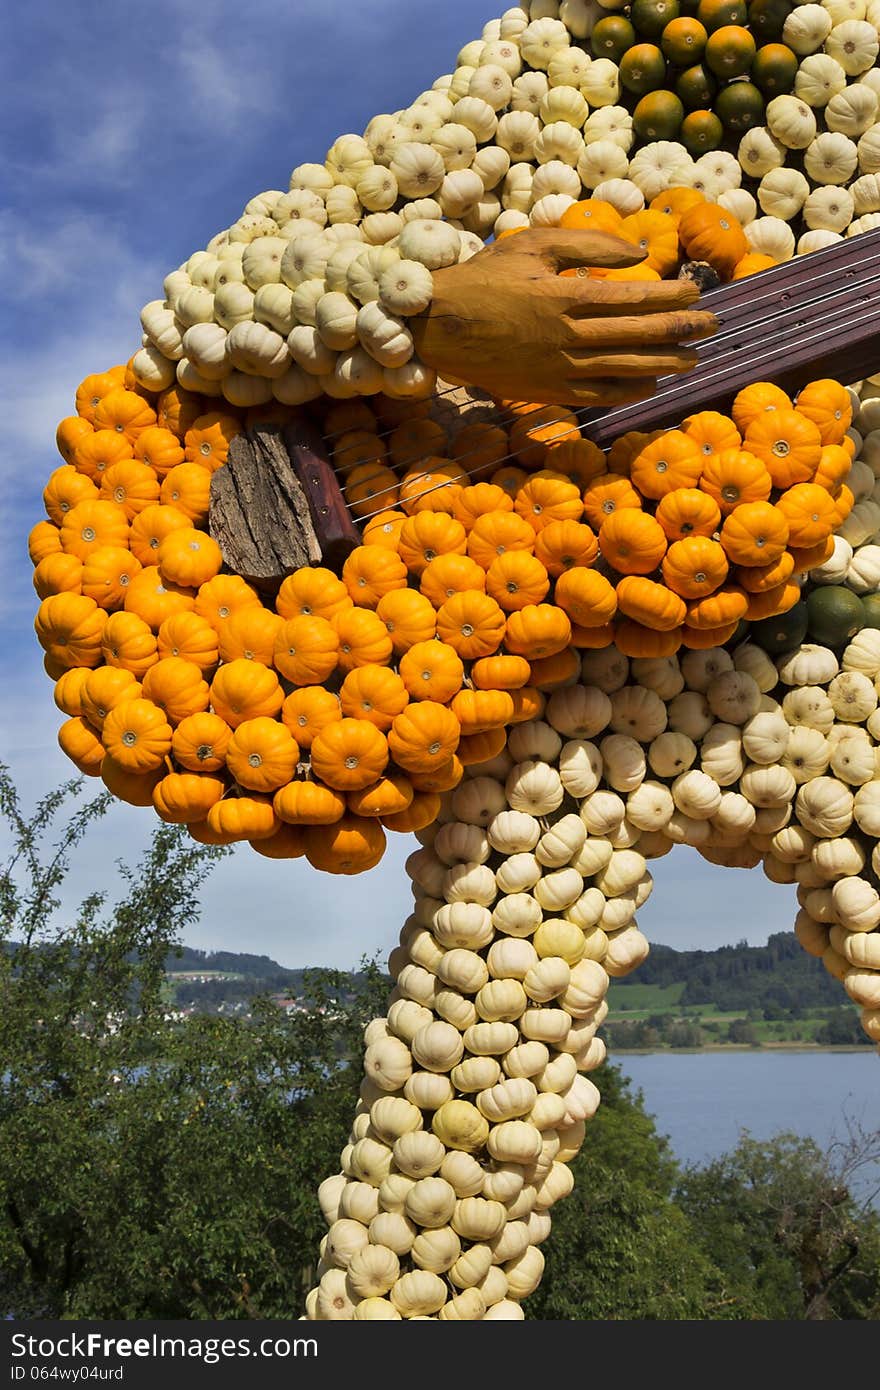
[153,600]
[632,541]
[105,688]
[477,500]
[472,623]
[538,430]
[500,673]
[208,438]
[453,574]
[497,532]
[480,446]
[177,410]
[480,710]
[127,641]
[579,460]
[727,605]
[413,441]
[561,545]
[634,639]
[190,636]
[751,264]
[694,567]
[312,592]
[538,630]
[352,845]
[553,672]
[306,650]
[91,391]
[427,535]
[72,430]
[65,488]
[755,533]
[101,449]
[408,617]
[375,693]
[90,525]
[371,571]
[79,741]
[159,449]
[251,633]
[60,573]
[833,467]
[384,529]
[188,488]
[772,602]
[177,687]
[589,599]
[712,432]
[137,734]
[132,485]
[431,671]
[810,513]
[733,476]
[389,796]
[708,232]
[479,748]
[70,628]
[262,754]
[124,412]
[424,736]
[308,710]
[422,811]
[688,511]
[43,539]
[754,401]
[107,573]
[200,741]
[703,639]
[812,556]
[363,638]
[672,461]
[757,579]
[650,604]
[788,443]
[827,404]
[150,527]
[608,493]
[655,233]
[244,690]
[517,579]
[431,486]
[189,557]
[308,803]
[184,797]
[545,498]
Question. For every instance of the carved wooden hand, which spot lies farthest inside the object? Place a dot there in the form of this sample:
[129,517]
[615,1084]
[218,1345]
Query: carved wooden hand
[507,322]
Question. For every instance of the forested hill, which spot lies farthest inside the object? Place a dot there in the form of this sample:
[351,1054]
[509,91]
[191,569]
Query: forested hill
[779,976]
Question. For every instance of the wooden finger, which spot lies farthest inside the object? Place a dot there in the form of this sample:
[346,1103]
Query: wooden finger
[559,248]
[651,362]
[649,329]
[606,297]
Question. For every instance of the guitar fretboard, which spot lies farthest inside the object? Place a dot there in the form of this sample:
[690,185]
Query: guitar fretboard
[813,316]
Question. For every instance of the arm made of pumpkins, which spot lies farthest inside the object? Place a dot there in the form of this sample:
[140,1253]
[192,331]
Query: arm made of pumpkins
[508,322]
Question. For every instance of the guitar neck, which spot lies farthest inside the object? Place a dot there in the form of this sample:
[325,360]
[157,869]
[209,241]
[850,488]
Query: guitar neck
[813,316]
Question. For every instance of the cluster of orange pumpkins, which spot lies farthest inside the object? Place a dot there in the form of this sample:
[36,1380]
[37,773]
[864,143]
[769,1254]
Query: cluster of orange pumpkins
[312,724]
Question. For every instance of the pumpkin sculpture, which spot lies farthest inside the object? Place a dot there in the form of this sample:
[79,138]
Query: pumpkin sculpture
[549,662]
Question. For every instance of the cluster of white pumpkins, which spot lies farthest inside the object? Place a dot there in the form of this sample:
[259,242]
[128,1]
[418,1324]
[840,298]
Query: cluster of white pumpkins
[308,293]
[526,891]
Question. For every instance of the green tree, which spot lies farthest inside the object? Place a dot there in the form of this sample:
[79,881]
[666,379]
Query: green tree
[781,1221]
[153,1167]
[621,1247]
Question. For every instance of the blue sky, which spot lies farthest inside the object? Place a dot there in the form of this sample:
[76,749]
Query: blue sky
[131,134]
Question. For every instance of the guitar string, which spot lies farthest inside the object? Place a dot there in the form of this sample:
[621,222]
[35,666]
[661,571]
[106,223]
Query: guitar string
[681,386]
[753,362]
[729,329]
[830,273]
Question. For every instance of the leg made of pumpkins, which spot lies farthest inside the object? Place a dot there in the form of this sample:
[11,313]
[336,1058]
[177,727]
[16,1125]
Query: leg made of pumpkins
[475,1095]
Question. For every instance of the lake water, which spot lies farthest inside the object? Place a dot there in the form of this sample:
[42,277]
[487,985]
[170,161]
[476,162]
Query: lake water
[703,1100]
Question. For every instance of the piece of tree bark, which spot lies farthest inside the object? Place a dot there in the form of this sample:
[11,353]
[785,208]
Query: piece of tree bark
[508,322]
[259,513]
